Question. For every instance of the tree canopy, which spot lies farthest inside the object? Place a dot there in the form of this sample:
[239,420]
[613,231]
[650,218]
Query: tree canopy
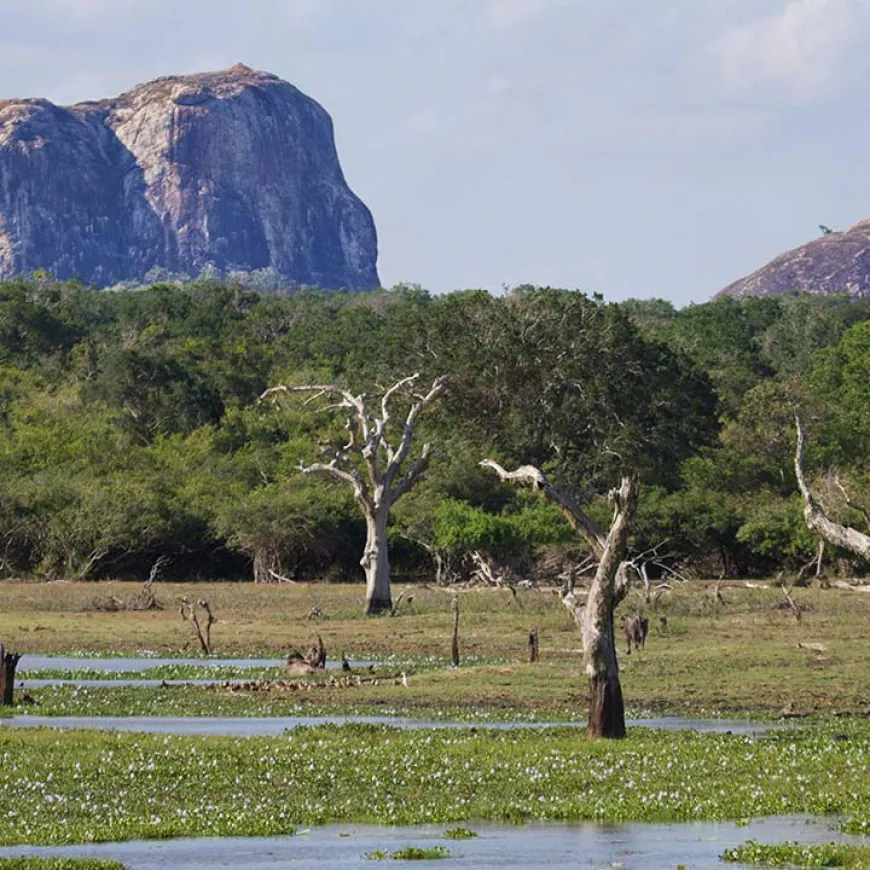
[130,427]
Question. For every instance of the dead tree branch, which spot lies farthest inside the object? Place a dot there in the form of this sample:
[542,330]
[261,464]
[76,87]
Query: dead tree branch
[816,518]
[371,464]
[594,616]
[584,525]
[189,614]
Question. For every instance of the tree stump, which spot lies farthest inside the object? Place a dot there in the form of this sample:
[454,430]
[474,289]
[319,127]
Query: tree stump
[533,645]
[8,663]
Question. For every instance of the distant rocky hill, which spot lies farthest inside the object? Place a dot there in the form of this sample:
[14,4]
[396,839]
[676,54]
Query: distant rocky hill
[836,263]
[234,169]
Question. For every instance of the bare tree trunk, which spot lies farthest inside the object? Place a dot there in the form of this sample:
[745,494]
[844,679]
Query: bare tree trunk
[533,645]
[454,646]
[820,564]
[594,616]
[8,663]
[606,706]
[840,536]
[376,563]
[262,565]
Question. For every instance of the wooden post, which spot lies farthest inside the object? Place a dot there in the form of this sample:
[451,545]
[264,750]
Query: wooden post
[454,650]
[533,645]
[8,663]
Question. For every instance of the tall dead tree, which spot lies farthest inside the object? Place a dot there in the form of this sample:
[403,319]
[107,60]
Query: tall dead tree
[594,616]
[372,466]
[817,520]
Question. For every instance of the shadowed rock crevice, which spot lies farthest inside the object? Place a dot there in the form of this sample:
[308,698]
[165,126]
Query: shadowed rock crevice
[234,169]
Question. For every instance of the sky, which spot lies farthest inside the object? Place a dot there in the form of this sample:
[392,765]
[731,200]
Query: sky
[636,148]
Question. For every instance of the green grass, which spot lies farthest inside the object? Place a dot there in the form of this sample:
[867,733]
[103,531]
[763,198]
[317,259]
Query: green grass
[75,787]
[411,853]
[460,834]
[742,657]
[58,864]
[799,855]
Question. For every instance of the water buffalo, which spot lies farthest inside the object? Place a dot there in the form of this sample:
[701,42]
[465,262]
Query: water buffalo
[635,629]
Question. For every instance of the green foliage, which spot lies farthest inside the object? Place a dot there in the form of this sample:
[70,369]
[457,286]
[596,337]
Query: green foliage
[130,428]
[775,529]
[800,855]
[411,853]
[460,527]
[460,834]
[841,378]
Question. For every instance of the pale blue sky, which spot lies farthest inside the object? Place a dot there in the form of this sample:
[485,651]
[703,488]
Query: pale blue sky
[632,147]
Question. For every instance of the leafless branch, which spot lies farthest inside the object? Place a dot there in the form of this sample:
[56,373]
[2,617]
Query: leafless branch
[849,503]
[817,520]
[579,521]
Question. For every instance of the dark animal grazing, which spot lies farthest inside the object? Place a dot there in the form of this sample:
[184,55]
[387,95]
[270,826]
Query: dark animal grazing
[635,629]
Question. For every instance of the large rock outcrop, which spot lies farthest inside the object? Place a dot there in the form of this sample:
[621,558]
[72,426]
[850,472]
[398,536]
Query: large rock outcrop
[836,263]
[234,169]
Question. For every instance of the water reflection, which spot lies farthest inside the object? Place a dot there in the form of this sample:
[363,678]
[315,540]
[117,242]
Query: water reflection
[554,846]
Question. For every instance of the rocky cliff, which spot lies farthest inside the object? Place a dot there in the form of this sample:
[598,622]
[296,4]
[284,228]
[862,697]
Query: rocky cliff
[236,169]
[836,263]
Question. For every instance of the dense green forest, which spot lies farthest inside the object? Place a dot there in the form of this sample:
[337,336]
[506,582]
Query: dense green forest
[132,427]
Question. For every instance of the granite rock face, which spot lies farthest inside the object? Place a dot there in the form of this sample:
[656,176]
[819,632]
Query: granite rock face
[836,263]
[234,169]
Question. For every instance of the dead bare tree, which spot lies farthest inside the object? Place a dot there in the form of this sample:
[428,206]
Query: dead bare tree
[640,565]
[817,520]
[454,643]
[372,466]
[594,615]
[188,614]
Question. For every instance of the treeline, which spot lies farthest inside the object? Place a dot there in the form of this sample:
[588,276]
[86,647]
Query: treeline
[131,427]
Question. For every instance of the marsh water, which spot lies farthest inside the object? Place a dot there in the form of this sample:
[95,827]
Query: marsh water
[122,665]
[251,726]
[551,845]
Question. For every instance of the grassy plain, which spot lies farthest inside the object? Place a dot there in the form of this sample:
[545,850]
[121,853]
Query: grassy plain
[738,658]
[742,656]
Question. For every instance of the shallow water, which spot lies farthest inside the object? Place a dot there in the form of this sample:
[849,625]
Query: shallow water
[142,683]
[143,663]
[238,726]
[551,845]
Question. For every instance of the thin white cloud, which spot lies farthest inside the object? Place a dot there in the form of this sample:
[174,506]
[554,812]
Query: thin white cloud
[798,52]
[505,14]
[85,10]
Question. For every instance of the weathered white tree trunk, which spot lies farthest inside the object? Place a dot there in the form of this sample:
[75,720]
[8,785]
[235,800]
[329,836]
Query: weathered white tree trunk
[373,468]
[376,563]
[594,616]
[834,533]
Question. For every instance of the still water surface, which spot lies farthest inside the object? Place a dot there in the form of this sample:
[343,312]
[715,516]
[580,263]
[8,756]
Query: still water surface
[546,845]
